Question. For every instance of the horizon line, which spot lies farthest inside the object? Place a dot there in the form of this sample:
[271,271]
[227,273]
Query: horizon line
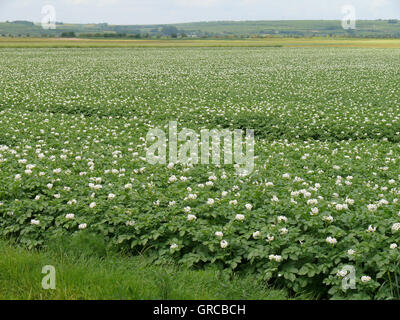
[200,21]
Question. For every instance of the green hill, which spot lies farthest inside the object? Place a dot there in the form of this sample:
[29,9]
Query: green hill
[289,28]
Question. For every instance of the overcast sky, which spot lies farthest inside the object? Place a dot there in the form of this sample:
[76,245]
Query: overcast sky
[174,11]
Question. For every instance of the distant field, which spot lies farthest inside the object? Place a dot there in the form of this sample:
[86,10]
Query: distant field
[270,42]
[365,28]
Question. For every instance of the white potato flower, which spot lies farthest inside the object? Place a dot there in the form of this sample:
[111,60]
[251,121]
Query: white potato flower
[257,235]
[219,234]
[342,273]
[282,218]
[130,223]
[396,227]
[283,231]
[275,258]
[35,222]
[341,207]
[270,238]
[331,240]
[172,179]
[171,203]
[224,244]
[328,219]
[170,165]
[312,202]
[239,217]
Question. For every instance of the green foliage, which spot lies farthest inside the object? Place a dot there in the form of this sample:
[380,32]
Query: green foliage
[171,31]
[69,34]
[323,194]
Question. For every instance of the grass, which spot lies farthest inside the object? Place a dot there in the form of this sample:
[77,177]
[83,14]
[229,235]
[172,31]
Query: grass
[86,270]
[267,42]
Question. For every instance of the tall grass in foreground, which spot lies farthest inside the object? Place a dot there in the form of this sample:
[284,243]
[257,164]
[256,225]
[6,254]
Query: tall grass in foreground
[87,269]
